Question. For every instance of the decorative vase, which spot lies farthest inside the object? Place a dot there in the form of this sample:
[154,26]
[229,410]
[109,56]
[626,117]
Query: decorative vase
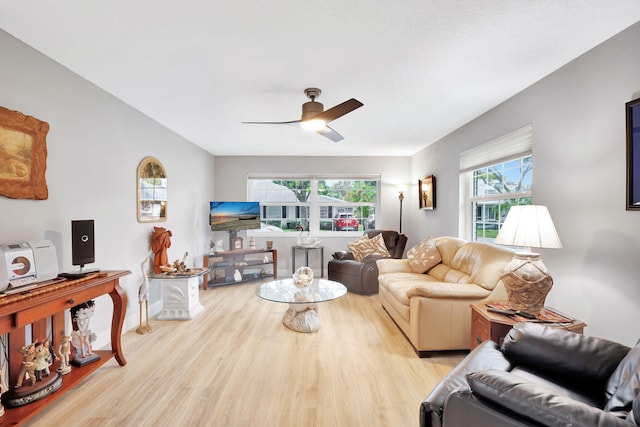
[527,282]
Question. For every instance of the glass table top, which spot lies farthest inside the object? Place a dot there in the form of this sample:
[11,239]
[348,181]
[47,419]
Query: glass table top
[285,291]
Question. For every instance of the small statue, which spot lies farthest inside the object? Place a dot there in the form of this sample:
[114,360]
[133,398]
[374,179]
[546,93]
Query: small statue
[252,243]
[82,338]
[64,350]
[237,276]
[3,388]
[40,361]
[143,297]
[180,266]
[160,241]
[28,368]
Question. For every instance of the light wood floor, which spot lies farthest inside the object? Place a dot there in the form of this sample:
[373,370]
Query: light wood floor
[236,365]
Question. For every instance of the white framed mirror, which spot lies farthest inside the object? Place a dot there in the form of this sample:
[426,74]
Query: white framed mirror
[151,186]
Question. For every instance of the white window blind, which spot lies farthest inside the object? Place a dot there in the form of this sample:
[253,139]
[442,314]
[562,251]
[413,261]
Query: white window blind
[507,147]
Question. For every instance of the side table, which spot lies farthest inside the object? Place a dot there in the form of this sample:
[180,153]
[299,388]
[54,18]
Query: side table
[306,250]
[180,296]
[487,325]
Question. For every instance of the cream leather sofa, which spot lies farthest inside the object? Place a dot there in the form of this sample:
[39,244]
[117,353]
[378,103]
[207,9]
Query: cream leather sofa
[432,309]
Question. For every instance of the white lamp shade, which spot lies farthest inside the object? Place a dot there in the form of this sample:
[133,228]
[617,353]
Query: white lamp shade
[529,226]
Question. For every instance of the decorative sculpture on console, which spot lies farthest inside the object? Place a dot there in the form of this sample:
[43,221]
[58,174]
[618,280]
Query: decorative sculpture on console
[3,388]
[64,351]
[82,336]
[160,241]
[143,297]
[28,368]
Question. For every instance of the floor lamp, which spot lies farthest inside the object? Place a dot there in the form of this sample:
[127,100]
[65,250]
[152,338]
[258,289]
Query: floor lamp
[401,198]
[526,278]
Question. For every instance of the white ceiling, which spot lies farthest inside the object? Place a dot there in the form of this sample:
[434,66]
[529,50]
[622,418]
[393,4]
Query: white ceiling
[422,68]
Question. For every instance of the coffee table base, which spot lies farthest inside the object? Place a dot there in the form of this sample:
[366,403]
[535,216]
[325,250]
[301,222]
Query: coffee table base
[302,318]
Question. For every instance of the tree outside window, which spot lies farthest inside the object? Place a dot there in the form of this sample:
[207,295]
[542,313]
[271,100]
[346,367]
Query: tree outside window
[315,204]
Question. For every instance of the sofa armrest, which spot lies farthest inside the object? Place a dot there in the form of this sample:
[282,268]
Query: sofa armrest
[342,255]
[392,265]
[584,362]
[486,356]
[536,402]
[448,290]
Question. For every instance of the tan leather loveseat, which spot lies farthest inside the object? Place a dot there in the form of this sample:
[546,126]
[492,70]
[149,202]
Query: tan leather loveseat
[432,309]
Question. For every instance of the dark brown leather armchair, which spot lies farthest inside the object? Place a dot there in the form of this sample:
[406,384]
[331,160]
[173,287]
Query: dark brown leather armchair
[361,277]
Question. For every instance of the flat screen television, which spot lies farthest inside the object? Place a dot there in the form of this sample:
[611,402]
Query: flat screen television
[234,216]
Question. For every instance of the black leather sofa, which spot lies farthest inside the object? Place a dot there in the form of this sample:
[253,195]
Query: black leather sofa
[541,376]
[361,277]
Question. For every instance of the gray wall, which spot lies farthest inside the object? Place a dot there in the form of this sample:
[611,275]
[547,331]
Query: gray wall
[94,146]
[578,119]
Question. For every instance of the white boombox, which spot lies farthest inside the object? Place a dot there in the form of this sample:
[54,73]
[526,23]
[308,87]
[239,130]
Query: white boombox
[27,263]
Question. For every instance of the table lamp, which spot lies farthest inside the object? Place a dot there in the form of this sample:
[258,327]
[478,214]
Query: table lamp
[526,278]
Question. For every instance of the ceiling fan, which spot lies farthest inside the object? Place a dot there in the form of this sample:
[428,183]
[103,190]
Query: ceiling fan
[314,118]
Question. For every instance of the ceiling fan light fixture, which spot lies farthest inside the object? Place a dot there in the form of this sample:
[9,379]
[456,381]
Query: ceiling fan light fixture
[313,124]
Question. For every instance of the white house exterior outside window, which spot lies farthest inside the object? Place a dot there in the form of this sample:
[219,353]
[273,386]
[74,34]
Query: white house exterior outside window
[315,202]
[493,177]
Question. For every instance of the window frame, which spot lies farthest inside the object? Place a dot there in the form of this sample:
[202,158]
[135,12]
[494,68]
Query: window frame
[314,204]
[515,145]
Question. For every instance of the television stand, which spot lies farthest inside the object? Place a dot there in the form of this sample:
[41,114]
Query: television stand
[249,263]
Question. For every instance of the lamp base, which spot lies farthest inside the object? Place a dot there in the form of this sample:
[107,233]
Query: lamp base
[527,282]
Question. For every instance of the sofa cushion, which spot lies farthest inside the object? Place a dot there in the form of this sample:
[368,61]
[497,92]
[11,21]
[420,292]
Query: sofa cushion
[447,290]
[364,246]
[424,256]
[483,263]
[394,241]
[398,284]
[624,384]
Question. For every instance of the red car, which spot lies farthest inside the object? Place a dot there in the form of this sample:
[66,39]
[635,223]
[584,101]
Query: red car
[345,222]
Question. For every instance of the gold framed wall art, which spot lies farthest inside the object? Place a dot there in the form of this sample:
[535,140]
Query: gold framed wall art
[23,156]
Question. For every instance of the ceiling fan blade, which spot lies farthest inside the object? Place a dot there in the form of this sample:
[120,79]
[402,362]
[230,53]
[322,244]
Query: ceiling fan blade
[292,122]
[339,110]
[327,132]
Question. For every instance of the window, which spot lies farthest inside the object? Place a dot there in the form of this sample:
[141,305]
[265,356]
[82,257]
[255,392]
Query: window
[315,203]
[495,176]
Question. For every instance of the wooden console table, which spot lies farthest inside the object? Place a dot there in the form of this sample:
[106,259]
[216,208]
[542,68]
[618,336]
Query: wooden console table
[35,307]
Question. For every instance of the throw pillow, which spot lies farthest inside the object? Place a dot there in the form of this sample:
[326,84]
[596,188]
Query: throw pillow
[364,246]
[424,257]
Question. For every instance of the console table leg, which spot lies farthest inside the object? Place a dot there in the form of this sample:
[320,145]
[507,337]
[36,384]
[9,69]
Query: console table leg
[119,298]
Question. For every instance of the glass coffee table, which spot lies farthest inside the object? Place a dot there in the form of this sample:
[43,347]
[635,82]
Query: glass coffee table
[302,315]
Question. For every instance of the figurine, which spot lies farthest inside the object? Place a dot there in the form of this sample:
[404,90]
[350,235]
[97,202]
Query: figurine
[160,241]
[82,338]
[3,388]
[252,243]
[28,368]
[51,357]
[237,276]
[40,361]
[64,350]
[143,297]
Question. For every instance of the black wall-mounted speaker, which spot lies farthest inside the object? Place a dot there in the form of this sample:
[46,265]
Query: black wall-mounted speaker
[82,242]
